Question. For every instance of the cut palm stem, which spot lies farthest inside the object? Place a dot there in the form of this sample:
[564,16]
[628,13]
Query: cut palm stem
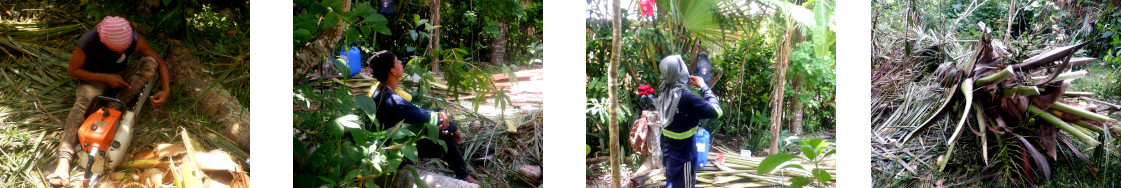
[995,77]
[1088,132]
[1063,125]
[1087,114]
[1078,94]
[1021,90]
[981,126]
[1061,77]
[1087,125]
[967,91]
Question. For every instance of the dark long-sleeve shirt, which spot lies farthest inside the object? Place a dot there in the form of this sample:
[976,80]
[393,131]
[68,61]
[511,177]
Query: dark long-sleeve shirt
[690,110]
[393,109]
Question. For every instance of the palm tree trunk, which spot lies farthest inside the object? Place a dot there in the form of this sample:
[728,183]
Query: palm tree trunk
[778,83]
[223,108]
[612,88]
[498,45]
[434,40]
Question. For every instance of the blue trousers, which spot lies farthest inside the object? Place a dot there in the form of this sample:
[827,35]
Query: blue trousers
[679,158]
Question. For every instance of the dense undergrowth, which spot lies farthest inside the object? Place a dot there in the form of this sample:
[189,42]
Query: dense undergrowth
[334,140]
[743,63]
[745,44]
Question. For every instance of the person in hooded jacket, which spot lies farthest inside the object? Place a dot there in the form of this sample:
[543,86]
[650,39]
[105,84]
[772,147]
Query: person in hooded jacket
[681,111]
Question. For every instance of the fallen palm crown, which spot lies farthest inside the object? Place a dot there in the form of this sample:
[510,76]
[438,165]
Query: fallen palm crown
[1026,100]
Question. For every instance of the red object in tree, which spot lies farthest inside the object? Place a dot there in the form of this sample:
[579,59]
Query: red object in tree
[645,90]
[647,7]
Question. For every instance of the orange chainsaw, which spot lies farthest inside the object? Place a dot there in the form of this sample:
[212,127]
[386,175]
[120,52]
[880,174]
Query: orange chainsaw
[106,134]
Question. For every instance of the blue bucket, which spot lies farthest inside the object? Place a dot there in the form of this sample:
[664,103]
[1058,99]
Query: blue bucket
[701,140]
[353,59]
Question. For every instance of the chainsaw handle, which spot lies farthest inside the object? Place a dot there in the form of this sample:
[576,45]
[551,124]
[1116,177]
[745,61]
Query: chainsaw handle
[118,101]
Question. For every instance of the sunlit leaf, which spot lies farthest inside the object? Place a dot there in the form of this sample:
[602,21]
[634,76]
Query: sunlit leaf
[410,152]
[340,65]
[822,175]
[798,182]
[777,161]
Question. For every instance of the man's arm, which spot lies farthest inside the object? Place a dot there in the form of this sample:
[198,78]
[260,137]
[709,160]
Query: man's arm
[416,115]
[706,104]
[78,60]
[165,81]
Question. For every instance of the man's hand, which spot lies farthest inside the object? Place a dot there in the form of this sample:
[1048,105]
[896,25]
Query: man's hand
[444,120]
[696,81]
[115,81]
[458,136]
[159,98]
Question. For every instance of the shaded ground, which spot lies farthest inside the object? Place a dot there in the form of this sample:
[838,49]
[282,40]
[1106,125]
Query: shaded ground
[497,154]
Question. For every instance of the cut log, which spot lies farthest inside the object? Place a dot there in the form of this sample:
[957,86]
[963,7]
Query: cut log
[532,171]
[222,107]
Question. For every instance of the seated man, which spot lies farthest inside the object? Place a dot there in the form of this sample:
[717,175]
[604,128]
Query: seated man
[98,63]
[393,108]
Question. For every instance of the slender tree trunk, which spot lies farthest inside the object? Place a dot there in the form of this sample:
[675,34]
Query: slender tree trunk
[434,41]
[307,58]
[612,88]
[778,83]
[796,121]
[498,45]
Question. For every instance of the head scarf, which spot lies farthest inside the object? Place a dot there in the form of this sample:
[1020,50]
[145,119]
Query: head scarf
[675,78]
[115,33]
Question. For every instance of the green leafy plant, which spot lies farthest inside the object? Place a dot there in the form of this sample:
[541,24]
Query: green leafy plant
[339,141]
[814,151]
[313,17]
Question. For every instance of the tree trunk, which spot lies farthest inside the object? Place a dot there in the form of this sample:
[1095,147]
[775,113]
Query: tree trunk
[223,108]
[778,83]
[307,58]
[796,121]
[434,40]
[498,46]
[612,88]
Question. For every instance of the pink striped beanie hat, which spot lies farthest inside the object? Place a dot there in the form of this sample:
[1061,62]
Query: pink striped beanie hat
[115,33]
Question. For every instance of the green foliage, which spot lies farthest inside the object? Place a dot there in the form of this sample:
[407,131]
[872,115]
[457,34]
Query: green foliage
[469,25]
[312,17]
[418,34]
[500,11]
[818,83]
[1107,36]
[341,140]
[814,151]
[189,19]
[741,46]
